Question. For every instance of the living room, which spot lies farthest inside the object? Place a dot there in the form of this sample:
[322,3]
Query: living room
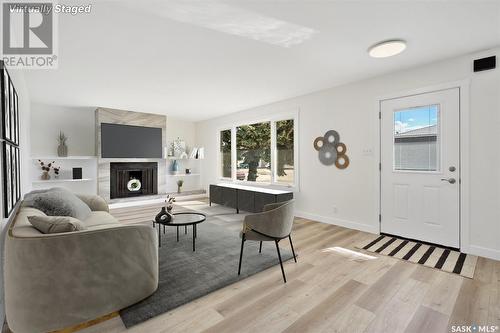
[148,168]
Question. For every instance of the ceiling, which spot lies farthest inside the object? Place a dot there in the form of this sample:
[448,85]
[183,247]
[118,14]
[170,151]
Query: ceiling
[197,60]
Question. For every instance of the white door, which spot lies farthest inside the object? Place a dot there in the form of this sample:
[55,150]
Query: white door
[420,175]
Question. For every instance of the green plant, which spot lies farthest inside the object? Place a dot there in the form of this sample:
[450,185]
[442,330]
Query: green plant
[180,182]
[62,138]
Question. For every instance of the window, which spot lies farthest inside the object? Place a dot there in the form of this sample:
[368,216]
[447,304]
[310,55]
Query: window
[285,151]
[225,153]
[262,152]
[416,139]
[253,152]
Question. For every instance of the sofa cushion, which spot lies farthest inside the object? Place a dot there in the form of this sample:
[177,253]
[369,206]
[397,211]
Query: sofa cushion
[99,218]
[59,202]
[56,224]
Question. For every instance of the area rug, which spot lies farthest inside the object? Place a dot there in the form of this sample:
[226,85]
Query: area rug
[185,275]
[432,256]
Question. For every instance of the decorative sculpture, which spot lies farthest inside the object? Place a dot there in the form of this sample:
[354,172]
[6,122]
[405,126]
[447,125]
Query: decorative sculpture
[331,150]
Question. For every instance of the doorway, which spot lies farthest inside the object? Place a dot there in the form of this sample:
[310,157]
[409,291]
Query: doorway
[420,167]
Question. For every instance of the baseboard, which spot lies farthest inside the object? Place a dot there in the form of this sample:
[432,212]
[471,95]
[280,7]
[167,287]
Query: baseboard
[484,252]
[340,222]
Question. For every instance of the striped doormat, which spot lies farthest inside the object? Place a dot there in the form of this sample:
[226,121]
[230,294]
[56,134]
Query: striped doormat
[428,255]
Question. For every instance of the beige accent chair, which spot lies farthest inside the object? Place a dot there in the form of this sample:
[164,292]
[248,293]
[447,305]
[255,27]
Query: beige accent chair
[54,281]
[272,225]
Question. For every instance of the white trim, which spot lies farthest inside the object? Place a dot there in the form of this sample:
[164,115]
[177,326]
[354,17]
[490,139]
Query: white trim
[340,222]
[483,252]
[464,109]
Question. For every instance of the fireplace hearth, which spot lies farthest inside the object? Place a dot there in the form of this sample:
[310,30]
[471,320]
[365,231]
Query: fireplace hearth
[132,179]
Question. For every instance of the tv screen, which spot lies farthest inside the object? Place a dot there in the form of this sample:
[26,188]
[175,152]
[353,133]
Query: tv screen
[125,141]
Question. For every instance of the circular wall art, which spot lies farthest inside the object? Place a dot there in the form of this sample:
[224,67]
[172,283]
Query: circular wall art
[331,150]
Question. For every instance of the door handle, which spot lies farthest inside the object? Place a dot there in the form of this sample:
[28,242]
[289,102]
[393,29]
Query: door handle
[449,180]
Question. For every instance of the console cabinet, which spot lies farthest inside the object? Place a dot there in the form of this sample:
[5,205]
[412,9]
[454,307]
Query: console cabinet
[246,198]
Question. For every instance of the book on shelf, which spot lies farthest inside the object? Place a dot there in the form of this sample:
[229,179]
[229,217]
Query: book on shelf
[201,153]
[193,153]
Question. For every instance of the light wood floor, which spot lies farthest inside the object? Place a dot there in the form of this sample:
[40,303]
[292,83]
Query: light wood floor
[333,290]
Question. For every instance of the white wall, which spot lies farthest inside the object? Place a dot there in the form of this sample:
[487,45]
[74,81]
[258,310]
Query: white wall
[352,111]
[77,123]
[24,147]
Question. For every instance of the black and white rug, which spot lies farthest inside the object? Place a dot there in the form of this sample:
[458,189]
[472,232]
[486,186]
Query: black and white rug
[185,275]
[441,258]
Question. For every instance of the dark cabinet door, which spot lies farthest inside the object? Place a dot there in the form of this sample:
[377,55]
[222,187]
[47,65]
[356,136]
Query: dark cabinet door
[284,197]
[262,199]
[216,194]
[246,201]
[229,198]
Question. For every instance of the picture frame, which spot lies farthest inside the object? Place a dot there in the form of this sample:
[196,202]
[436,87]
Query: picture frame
[5,104]
[10,135]
[12,179]
[10,117]
[17,124]
[7,176]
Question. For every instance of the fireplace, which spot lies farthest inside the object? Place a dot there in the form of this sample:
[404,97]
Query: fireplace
[133,179]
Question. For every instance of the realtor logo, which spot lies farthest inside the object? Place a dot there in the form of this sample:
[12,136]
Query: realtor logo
[28,34]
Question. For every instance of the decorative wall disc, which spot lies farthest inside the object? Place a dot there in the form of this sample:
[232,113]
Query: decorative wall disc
[327,155]
[342,162]
[341,148]
[331,150]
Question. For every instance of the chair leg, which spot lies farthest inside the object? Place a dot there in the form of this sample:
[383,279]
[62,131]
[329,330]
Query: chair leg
[241,252]
[260,247]
[293,251]
[281,262]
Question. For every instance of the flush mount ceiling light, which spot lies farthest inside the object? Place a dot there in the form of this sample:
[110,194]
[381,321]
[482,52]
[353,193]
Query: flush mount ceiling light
[387,48]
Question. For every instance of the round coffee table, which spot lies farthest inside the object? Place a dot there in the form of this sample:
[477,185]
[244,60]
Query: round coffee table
[183,219]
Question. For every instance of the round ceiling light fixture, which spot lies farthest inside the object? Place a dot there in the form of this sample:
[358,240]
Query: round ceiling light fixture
[387,48]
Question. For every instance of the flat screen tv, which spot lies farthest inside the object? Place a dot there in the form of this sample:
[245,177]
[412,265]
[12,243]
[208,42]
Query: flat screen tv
[125,141]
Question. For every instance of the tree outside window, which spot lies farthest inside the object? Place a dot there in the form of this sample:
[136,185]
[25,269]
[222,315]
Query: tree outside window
[253,152]
[225,151]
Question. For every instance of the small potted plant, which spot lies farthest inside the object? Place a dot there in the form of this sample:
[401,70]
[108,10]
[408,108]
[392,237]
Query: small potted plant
[180,182]
[45,169]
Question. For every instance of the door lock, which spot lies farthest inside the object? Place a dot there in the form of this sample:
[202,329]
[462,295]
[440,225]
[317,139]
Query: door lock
[449,180]
[452,168]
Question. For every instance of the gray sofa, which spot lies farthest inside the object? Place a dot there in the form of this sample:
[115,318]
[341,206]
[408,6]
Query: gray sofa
[53,281]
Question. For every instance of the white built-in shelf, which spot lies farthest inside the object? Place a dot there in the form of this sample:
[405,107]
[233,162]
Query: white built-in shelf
[64,158]
[39,181]
[183,174]
[185,158]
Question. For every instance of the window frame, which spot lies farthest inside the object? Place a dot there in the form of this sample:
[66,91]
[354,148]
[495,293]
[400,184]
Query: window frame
[273,120]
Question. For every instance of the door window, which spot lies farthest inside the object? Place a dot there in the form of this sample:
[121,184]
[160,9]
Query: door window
[416,139]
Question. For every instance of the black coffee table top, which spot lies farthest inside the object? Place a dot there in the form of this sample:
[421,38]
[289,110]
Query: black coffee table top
[186,218]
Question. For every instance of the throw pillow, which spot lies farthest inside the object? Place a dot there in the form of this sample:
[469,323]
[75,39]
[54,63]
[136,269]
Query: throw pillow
[56,224]
[60,202]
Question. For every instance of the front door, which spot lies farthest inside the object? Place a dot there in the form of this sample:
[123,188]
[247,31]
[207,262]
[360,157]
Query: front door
[420,174]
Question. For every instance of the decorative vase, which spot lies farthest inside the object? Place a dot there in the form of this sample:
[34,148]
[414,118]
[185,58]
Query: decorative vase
[45,175]
[175,167]
[179,189]
[62,150]
[163,216]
